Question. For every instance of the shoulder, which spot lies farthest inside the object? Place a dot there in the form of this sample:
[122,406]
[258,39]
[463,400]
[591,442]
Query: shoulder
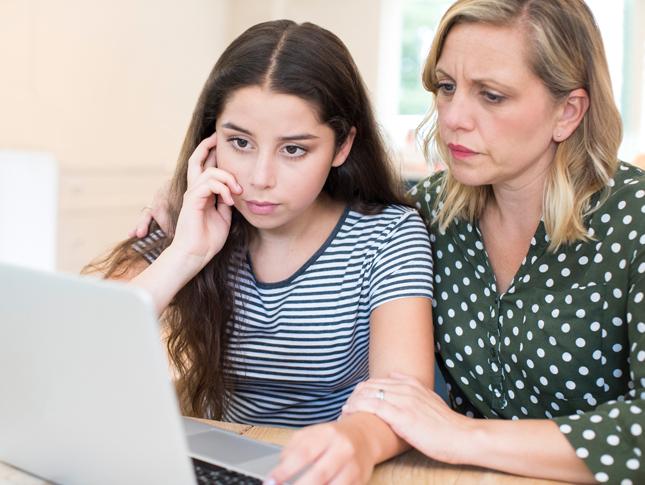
[625,194]
[390,217]
[394,221]
[425,193]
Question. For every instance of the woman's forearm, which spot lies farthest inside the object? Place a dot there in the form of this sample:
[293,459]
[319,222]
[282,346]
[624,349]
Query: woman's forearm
[529,447]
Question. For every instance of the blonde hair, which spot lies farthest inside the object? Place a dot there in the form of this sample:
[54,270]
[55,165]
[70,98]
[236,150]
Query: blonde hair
[566,52]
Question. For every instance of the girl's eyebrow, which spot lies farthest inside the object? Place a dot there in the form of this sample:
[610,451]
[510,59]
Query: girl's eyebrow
[300,136]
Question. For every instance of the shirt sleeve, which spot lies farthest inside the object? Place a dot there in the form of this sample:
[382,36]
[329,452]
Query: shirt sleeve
[402,266]
[148,246]
[610,438]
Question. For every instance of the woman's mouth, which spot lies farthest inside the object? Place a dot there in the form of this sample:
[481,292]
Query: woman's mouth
[460,152]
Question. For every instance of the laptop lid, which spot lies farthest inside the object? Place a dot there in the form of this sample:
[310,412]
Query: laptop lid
[85,395]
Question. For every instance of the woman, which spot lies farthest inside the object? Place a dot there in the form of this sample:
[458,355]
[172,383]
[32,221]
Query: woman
[294,270]
[538,238]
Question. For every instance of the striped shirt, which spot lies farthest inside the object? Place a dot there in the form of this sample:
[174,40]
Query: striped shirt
[298,347]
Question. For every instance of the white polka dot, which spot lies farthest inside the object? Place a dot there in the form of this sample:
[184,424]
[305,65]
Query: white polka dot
[582,453]
[580,342]
[615,248]
[607,460]
[565,428]
[583,371]
[614,413]
[601,477]
[636,429]
[566,356]
[588,434]
[613,440]
[633,464]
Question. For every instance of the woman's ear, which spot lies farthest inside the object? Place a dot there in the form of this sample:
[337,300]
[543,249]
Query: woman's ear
[572,110]
[345,148]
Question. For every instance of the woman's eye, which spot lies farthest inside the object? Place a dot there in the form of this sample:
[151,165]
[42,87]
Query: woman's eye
[446,88]
[492,97]
[294,151]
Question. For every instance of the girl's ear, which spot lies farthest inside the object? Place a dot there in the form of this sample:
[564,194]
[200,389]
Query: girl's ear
[345,148]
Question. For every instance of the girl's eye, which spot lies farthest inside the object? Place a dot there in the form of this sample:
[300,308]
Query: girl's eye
[239,143]
[294,151]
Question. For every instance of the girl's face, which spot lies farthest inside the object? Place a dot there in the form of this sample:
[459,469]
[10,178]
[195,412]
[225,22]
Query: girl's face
[279,152]
[496,116]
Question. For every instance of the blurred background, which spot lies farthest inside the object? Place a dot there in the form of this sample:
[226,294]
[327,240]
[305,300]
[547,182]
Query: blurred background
[95,98]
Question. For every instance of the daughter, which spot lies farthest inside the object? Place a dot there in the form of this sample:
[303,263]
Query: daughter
[295,270]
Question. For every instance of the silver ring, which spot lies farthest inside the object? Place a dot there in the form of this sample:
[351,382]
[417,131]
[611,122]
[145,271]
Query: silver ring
[381,395]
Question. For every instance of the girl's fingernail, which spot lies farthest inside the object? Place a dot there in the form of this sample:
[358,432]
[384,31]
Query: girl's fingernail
[269,481]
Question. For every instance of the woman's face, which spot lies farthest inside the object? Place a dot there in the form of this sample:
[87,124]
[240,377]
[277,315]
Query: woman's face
[279,152]
[496,116]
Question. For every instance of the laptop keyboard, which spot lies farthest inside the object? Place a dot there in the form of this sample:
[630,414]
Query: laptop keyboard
[209,474]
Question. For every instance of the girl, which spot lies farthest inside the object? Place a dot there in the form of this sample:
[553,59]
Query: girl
[294,270]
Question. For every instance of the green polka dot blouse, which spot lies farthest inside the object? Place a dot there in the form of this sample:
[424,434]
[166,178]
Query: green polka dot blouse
[566,341]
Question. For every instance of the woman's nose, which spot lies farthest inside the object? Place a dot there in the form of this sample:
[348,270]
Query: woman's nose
[457,113]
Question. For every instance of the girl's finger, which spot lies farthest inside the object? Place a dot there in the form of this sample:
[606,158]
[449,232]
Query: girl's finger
[293,460]
[196,160]
[211,159]
[324,469]
[225,212]
[223,176]
[205,190]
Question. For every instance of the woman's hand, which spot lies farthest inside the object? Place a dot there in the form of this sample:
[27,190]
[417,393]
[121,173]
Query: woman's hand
[158,212]
[415,413]
[335,453]
[205,218]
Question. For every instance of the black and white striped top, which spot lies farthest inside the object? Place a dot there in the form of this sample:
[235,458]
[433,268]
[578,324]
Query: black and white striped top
[299,346]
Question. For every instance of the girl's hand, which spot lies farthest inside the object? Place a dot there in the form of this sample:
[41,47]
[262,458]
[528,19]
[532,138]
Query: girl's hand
[332,453]
[158,212]
[417,414]
[205,218]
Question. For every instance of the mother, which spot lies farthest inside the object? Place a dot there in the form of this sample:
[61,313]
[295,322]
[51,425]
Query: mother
[539,235]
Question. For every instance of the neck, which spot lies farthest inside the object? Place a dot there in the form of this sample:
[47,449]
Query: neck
[519,203]
[319,216]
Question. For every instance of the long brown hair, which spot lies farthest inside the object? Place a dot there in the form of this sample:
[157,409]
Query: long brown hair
[298,59]
[566,52]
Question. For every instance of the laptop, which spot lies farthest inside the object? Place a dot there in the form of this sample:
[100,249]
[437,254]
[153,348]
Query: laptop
[85,392]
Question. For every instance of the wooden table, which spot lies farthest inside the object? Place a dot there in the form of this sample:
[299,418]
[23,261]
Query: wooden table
[409,468]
